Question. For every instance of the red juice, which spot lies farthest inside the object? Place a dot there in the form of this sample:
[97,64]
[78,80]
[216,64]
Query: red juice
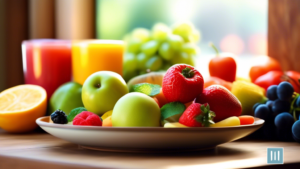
[47,63]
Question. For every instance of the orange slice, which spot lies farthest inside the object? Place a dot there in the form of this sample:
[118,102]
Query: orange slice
[20,106]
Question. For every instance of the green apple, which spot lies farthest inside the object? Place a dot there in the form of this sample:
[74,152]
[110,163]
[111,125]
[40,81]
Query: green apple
[102,90]
[136,110]
[66,98]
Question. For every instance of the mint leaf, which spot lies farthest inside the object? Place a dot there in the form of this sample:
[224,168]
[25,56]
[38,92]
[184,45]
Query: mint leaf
[74,112]
[147,88]
[172,111]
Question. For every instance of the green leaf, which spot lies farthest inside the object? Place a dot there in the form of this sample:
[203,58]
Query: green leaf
[172,111]
[74,112]
[147,88]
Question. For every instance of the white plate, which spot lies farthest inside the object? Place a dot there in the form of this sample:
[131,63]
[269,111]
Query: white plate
[147,139]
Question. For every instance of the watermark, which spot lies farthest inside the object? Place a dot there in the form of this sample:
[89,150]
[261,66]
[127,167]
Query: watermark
[275,155]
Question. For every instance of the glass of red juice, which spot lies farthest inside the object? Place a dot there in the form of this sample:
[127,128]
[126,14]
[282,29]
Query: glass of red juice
[47,63]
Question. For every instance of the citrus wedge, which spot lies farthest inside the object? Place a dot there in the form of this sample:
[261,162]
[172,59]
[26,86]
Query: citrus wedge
[20,106]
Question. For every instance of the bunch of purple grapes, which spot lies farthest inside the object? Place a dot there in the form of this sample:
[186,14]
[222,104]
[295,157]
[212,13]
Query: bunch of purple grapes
[280,112]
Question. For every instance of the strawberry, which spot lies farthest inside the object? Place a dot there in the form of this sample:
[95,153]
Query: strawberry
[197,115]
[182,83]
[221,101]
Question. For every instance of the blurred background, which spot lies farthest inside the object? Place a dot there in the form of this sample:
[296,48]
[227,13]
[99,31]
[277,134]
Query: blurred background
[234,26]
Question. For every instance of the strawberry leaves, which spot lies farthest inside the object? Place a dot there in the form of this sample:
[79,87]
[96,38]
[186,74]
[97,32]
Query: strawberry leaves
[147,88]
[188,72]
[206,116]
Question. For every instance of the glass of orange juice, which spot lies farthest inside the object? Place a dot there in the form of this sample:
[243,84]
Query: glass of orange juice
[90,56]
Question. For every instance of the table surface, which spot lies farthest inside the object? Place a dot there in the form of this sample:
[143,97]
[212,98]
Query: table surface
[41,150]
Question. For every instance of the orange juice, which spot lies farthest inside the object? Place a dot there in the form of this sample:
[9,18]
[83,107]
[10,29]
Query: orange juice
[91,56]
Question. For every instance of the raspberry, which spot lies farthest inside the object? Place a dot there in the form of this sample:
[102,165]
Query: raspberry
[59,117]
[86,118]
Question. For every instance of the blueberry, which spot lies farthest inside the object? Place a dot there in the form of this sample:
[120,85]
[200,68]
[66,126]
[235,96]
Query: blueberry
[59,117]
[262,111]
[255,106]
[280,106]
[284,121]
[270,104]
[297,103]
[296,130]
[272,92]
[285,91]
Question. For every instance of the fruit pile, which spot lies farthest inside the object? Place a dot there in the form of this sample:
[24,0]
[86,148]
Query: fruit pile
[181,101]
[280,112]
[159,48]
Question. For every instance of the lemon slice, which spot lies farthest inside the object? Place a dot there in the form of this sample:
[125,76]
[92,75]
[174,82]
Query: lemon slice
[20,106]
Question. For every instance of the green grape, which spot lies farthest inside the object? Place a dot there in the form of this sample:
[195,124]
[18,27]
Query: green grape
[154,63]
[150,48]
[165,51]
[184,30]
[176,42]
[130,62]
[142,58]
[182,57]
[134,45]
[189,48]
[192,60]
[195,36]
[160,32]
[142,34]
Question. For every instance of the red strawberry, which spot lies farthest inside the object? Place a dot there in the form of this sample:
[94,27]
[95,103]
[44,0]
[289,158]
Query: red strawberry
[86,118]
[182,83]
[197,115]
[221,101]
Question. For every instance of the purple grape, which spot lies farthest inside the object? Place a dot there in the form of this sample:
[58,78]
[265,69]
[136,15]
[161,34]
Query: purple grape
[262,111]
[255,106]
[296,130]
[280,106]
[270,104]
[285,91]
[284,121]
[297,103]
[272,92]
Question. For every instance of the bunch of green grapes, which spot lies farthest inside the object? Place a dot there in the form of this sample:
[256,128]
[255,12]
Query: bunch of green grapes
[159,48]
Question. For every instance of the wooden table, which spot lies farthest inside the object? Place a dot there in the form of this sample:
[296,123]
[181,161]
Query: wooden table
[43,151]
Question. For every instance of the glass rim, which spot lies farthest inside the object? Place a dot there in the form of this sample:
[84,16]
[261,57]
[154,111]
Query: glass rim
[51,42]
[98,41]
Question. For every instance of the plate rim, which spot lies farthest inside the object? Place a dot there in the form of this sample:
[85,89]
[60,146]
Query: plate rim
[42,123]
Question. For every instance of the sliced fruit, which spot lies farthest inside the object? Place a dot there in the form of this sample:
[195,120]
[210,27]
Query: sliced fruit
[246,120]
[175,124]
[20,106]
[230,121]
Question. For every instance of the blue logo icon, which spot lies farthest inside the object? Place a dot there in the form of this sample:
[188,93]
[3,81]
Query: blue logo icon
[275,155]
